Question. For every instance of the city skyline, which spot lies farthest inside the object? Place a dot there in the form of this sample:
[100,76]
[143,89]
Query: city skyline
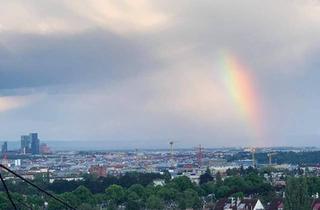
[140,74]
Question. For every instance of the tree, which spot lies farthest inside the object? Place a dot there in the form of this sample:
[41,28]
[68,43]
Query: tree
[86,206]
[238,195]
[100,198]
[137,188]
[191,199]
[54,204]
[70,198]
[168,194]
[154,202]
[133,201]
[83,195]
[222,191]
[206,177]
[167,176]
[4,202]
[209,187]
[115,194]
[236,183]
[313,185]
[218,179]
[182,183]
[296,194]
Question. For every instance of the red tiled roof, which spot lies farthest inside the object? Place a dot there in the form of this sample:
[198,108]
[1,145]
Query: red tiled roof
[276,203]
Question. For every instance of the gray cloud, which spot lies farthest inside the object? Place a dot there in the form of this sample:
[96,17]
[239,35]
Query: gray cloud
[91,56]
[121,76]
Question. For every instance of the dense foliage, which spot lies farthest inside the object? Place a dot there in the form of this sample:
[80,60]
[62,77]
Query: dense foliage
[136,191]
[297,194]
[98,185]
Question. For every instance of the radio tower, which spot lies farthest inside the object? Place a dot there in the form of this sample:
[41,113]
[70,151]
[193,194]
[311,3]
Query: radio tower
[171,153]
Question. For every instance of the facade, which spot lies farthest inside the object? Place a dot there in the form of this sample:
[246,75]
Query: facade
[25,144]
[35,143]
[100,171]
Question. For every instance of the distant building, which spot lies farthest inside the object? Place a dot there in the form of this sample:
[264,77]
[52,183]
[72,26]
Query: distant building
[35,143]
[4,147]
[100,171]
[44,149]
[25,144]
[17,162]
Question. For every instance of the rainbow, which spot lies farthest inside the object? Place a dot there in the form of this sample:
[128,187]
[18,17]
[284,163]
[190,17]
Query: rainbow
[240,85]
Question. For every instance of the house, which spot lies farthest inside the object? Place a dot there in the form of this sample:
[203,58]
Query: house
[239,204]
[223,204]
[250,204]
[315,204]
[276,204]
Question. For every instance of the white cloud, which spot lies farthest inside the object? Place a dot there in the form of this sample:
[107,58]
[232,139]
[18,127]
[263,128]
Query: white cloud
[121,16]
[72,16]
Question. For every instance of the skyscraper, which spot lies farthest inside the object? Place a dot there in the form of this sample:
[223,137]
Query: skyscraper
[4,148]
[25,144]
[35,143]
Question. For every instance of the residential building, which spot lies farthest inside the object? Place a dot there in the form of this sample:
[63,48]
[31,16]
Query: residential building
[98,170]
[239,204]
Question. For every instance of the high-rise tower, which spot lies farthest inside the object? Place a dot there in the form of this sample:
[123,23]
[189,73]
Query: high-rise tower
[35,143]
[4,148]
[25,144]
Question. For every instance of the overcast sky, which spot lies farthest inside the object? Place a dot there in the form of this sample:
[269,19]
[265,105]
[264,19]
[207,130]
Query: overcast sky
[137,73]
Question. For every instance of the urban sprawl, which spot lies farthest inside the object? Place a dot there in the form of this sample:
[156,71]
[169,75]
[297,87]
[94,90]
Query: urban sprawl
[202,166]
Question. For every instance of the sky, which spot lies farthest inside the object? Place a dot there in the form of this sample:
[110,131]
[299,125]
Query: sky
[138,74]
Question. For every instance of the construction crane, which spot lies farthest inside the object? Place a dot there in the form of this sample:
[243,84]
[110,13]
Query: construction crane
[270,157]
[253,152]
